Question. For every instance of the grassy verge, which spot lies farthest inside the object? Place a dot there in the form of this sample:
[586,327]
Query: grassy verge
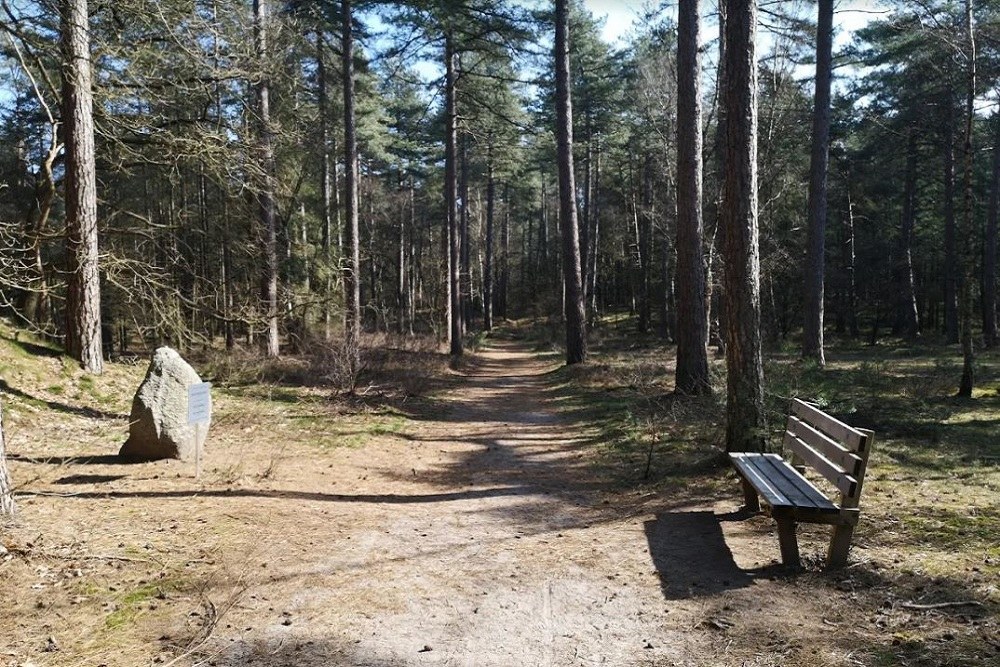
[925,568]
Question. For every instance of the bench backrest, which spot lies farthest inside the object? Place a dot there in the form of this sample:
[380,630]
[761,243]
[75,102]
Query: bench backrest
[830,447]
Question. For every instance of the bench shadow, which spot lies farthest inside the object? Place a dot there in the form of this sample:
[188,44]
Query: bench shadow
[691,556]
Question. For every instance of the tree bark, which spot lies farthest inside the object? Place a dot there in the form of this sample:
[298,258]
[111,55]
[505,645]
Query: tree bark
[576,335]
[812,332]
[455,326]
[83,297]
[266,188]
[745,382]
[352,263]
[691,376]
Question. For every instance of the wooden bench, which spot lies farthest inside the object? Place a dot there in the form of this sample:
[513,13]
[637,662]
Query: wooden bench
[829,447]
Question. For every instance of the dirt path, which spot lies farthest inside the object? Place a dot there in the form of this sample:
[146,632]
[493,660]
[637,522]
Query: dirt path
[474,533]
[479,538]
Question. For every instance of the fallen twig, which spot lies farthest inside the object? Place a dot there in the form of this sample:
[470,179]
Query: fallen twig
[940,605]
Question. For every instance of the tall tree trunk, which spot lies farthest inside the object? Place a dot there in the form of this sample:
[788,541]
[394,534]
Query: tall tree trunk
[576,334]
[352,240]
[588,197]
[413,269]
[968,233]
[37,305]
[488,265]
[849,260]
[465,212]
[455,325]
[950,254]
[907,324]
[228,279]
[745,382]
[595,234]
[990,246]
[812,332]
[504,254]
[83,297]
[326,214]
[6,489]
[691,376]
[401,261]
[527,254]
[645,242]
[543,233]
[265,195]
[717,286]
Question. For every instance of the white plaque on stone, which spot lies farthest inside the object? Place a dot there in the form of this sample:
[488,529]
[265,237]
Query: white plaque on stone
[199,413]
[199,402]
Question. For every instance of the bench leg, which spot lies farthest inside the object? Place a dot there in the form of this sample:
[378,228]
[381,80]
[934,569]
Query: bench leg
[789,543]
[840,544]
[750,499]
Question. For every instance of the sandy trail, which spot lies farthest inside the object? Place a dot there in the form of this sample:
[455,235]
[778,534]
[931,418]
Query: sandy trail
[476,531]
[480,538]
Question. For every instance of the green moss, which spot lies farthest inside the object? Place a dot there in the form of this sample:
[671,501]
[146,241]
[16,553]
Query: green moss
[130,604]
[386,426]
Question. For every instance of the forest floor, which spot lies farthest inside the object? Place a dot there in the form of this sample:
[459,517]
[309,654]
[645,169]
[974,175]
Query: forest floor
[505,512]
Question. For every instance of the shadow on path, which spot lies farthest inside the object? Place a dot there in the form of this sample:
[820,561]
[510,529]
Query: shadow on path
[691,557]
[383,499]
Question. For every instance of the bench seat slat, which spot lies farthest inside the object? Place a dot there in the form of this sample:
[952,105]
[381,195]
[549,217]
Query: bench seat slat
[746,464]
[799,491]
[779,484]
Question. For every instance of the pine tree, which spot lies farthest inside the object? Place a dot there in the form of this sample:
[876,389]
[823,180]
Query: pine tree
[692,323]
[745,379]
[576,334]
[83,298]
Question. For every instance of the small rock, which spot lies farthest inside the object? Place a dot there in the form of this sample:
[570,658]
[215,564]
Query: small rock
[425,649]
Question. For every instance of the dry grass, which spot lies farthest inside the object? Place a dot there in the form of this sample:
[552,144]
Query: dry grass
[930,528]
